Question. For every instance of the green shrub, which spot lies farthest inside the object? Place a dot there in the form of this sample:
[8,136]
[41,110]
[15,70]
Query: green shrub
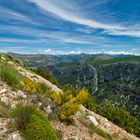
[41,88]
[18,61]
[9,57]
[53,116]
[32,123]
[90,103]
[4,110]
[43,99]
[9,75]
[93,129]
[66,97]
[68,90]
[22,115]
[59,134]
[38,129]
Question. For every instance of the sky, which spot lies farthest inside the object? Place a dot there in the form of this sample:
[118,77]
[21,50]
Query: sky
[70,26]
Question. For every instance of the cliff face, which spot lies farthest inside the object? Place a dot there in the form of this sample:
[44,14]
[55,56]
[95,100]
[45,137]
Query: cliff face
[120,84]
[127,71]
[86,77]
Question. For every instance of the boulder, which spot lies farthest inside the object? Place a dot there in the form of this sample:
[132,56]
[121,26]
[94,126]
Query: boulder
[21,94]
[5,100]
[3,91]
[14,136]
[48,109]
[93,120]
[10,62]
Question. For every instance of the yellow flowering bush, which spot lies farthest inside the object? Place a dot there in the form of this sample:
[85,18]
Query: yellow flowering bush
[56,98]
[67,110]
[28,85]
[81,97]
[71,107]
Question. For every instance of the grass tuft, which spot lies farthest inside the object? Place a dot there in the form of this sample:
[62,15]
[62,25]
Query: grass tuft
[9,75]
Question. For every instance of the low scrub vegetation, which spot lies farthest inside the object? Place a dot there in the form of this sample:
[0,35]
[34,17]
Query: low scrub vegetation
[71,107]
[4,110]
[67,110]
[90,103]
[29,86]
[121,117]
[9,75]
[56,98]
[32,124]
[94,129]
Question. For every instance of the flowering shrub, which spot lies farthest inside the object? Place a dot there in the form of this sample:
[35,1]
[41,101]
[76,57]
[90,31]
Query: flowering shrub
[56,98]
[71,107]
[28,85]
[67,110]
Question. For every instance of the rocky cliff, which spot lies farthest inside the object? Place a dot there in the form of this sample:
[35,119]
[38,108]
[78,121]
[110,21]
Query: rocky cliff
[119,84]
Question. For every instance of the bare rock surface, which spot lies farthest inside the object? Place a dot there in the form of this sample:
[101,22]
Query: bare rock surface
[14,136]
[10,97]
[37,78]
[93,120]
[109,127]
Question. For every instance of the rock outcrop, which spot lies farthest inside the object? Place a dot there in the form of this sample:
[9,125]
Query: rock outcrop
[121,82]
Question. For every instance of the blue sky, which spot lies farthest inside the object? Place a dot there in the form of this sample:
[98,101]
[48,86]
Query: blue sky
[70,26]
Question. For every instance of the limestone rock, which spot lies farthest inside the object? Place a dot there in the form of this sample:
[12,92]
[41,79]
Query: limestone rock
[21,94]
[3,91]
[73,138]
[10,62]
[93,120]
[14,136]
[48,109]
[5,100]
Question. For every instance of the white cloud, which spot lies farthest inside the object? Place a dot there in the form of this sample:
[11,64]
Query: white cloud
[69,15]
[132,33]
[13,15]
[60,9]
[77,41]
[41,36]
[60,52]
[50,51]
[135,49]
[16,40]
